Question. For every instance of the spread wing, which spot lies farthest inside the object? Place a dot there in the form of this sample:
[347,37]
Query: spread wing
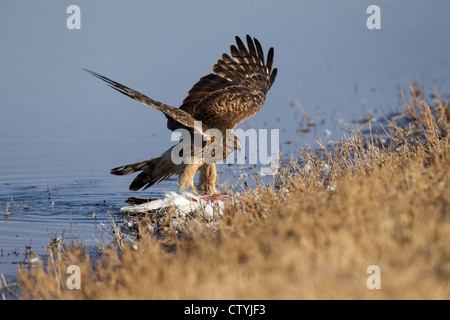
[236,91]
[181,118]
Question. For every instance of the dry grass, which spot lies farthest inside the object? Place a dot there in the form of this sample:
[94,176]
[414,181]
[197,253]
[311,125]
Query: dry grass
[311,235]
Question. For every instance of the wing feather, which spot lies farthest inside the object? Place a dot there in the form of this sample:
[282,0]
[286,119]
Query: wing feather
[238,88]
[235,92]
[177,115]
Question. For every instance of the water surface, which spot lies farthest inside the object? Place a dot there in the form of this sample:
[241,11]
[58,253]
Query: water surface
[61,131]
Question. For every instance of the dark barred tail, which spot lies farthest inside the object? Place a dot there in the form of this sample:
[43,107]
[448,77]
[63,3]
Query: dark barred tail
[153,171]
[130,168]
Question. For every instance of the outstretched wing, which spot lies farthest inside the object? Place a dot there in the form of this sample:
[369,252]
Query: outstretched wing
[236,91]
[181,118]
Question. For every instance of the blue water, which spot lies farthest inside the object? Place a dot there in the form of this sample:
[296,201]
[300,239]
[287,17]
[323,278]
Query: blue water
[61,130]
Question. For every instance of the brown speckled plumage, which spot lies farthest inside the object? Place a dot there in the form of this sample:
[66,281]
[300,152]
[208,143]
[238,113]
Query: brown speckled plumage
[233,93]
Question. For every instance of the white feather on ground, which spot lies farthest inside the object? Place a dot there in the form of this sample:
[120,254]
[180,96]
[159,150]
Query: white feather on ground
[184,203]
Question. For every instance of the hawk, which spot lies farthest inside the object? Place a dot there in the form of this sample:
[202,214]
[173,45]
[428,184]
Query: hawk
[221,100]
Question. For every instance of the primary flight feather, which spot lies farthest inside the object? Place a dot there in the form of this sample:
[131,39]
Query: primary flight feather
[221,100]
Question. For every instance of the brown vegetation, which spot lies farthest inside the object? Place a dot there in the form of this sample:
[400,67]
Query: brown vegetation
[310,235]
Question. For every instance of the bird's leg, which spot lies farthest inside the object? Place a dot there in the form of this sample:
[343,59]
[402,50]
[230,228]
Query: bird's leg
[194,191]
[208,177]
[186,178]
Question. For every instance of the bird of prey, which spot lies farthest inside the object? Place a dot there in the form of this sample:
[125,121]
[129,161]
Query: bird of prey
[221,100]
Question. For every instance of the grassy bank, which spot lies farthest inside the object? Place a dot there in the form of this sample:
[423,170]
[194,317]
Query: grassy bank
[312,235]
